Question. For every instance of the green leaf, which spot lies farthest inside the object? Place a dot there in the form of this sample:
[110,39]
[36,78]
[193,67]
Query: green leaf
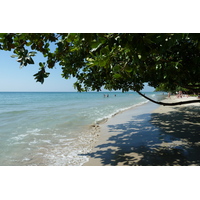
[71,37]
[95,47]
[29,60]
[60,46]
[41,64]
[33,46]
[90,59]
[128,69]
[32,53]
[117,76]
[41,75]
[14,56]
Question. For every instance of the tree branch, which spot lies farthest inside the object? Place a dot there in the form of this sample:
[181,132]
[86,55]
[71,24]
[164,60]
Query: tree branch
[169,104]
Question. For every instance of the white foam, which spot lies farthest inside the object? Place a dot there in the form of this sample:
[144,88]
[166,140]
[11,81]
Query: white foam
[69,151]
[118,111]
[46,141]
[19,137]
[34,131]
[26,159]
[66,140]
[33,142]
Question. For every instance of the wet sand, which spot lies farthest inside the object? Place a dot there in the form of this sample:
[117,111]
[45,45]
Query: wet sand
[150,135]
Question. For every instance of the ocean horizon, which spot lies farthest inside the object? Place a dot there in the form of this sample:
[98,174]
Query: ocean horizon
[55,128]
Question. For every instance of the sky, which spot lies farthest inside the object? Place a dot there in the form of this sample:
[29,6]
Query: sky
[16,79]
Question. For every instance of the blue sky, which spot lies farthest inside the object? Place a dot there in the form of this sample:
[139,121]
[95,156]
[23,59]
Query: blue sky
[14,78]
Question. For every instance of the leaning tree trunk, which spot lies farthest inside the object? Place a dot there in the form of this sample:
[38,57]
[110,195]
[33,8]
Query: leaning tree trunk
[169,104]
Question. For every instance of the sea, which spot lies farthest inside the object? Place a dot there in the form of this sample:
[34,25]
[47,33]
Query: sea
[57,128]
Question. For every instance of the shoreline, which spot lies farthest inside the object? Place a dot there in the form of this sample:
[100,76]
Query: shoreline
[150,135]
[105,119]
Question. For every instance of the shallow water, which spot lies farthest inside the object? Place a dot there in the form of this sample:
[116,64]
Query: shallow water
[52,128]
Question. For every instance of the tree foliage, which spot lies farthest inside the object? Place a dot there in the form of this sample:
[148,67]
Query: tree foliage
[113,60]
[163,88]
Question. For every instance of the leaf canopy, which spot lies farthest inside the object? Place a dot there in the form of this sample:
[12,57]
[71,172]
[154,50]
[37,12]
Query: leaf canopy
[113,60]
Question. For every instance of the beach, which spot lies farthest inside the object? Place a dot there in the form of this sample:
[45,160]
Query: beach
[150,135]
[56,128]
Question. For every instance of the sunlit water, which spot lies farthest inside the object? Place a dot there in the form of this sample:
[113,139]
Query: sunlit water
[54,128]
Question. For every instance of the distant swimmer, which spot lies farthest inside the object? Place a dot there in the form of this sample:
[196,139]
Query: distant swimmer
[106,95]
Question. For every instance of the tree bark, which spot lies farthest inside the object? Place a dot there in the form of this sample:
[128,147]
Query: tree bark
[169,104]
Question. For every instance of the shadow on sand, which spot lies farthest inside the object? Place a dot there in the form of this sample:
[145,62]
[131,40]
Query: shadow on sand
[165,139]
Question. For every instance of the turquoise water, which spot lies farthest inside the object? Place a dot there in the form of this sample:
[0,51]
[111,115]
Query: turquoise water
[52,128]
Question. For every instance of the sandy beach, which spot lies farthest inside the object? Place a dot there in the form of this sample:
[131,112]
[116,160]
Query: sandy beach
[150,135]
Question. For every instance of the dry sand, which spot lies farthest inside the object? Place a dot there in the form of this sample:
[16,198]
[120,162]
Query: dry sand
[149,135]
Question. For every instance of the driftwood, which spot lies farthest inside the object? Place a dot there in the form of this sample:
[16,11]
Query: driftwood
[169,104]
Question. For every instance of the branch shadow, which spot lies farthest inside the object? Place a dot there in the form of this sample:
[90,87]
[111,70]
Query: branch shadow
[159,139]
